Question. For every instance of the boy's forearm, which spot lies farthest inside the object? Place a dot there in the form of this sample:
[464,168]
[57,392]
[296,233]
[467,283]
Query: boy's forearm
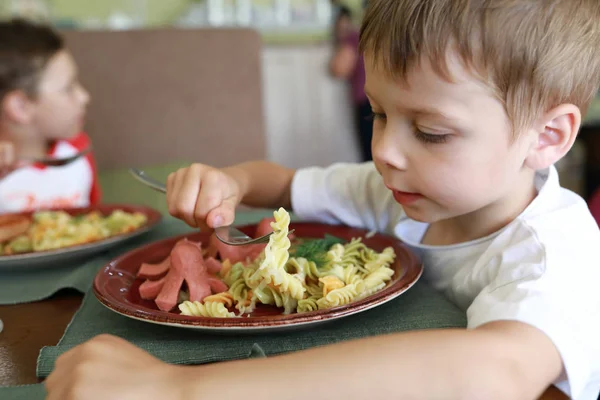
[263,184]
[444,364]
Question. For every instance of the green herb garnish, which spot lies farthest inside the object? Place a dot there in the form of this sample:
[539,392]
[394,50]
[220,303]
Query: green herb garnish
[315,250]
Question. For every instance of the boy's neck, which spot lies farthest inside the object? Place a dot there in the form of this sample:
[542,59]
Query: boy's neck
[28,144]
[485,221]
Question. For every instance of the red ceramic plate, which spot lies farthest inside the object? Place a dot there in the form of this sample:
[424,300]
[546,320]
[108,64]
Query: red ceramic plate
[49,258]
[116,285]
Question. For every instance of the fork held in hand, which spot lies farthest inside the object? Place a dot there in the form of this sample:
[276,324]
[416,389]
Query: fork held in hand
[226,234]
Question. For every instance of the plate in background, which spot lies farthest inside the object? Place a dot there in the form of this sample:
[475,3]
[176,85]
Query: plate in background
[50,258]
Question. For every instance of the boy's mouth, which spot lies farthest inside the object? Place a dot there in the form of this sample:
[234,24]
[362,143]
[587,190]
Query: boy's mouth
[405,198]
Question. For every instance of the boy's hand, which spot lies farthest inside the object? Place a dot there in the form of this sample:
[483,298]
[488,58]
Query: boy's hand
[203,196]
[8,158]
[108,367]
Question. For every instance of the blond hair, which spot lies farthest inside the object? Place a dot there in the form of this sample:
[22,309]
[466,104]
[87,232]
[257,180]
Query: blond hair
[533,54]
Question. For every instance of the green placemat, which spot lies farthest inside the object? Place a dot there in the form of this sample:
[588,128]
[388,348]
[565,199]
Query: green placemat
[420,308]
[25,392]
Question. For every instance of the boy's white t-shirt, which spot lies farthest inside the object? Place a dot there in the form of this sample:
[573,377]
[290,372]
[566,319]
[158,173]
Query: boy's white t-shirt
[542,269]
[36,187]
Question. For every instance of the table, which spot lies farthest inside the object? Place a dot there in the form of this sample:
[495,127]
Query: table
[29,327]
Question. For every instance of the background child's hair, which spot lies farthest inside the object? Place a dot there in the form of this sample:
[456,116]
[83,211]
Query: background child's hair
[533,54]
[25,49]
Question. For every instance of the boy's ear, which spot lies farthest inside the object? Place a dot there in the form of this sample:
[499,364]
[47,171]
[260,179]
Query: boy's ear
[554,136]
[18,107]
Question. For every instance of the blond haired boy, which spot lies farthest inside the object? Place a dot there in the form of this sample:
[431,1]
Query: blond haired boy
[474,101]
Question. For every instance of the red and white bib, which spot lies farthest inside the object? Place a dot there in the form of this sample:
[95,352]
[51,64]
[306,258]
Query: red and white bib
[36,187]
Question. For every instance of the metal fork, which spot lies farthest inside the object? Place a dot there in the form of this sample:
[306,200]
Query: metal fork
[226,234]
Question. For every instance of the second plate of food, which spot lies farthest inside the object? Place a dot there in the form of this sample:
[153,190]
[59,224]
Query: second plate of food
[45,239]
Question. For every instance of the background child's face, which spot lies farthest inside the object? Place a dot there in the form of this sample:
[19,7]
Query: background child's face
[59,108]
[342,26]
[448,142]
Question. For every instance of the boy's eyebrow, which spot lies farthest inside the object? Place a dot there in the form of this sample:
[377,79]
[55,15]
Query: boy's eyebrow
[432,112]
[422,111]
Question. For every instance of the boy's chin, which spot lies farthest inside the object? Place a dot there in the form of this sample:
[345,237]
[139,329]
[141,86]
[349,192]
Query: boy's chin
[63,135]
[426,215]
[420,215]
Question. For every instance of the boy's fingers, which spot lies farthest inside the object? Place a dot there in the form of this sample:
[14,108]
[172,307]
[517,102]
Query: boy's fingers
[170,190]
[211,194]
[184,197]
[223,215]
[173,183]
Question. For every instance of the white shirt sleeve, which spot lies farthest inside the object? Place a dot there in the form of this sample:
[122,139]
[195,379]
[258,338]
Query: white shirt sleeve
[542,287]
[349,194]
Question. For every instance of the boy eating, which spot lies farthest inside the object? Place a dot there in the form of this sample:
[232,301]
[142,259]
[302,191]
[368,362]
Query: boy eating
[473,104]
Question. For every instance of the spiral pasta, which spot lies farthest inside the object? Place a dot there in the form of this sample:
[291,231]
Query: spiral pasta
[207,309]
[379,260]
[309,304]
[224,298]
[331,283]
[272,269]
[338,297]
[241,294]
[374,281]
[272,296]
[347,272]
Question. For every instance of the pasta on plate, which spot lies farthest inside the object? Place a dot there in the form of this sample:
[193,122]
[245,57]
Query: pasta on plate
[309,275]
[50,230]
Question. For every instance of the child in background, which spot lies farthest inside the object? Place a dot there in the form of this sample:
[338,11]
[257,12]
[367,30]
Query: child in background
[473,102]
[42,112]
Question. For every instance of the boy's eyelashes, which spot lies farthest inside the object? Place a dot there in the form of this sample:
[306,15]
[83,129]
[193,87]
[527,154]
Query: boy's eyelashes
[420,135]
[429,138]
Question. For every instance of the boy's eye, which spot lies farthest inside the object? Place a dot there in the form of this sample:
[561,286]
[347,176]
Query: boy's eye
[430,138]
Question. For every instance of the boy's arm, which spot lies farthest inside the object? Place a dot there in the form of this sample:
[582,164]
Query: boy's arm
[350,194]
[500,360]
[263,184]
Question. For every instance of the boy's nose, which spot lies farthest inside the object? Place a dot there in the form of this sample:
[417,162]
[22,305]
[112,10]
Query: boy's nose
[84,95]
[388,149]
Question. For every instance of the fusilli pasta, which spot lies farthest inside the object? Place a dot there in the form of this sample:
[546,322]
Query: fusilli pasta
[347,272]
